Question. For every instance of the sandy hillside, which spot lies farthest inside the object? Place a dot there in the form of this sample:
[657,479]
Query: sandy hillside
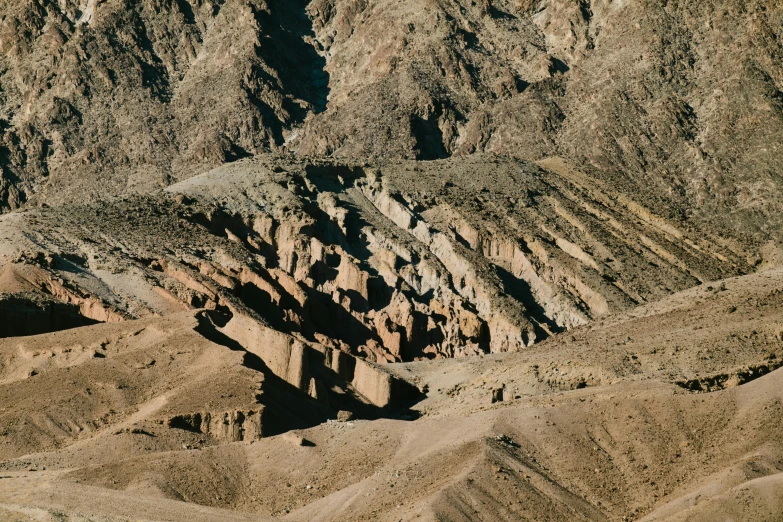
[668,412]
[332,341]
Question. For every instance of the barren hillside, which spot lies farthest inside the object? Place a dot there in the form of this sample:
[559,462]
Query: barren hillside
[451,260]
[677,104]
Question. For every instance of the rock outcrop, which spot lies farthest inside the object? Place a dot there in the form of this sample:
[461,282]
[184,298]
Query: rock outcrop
[313,264]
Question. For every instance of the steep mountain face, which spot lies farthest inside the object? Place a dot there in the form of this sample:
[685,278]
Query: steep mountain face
[106,97]
[683,99]
[677,104]
[405,78]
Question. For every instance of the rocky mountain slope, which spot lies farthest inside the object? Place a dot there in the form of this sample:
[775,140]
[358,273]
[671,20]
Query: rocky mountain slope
[174,329]
[677,104]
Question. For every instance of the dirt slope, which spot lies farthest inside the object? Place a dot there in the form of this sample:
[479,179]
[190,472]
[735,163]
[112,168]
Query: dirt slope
[596,424]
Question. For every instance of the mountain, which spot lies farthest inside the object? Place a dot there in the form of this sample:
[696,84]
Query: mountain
[391,260]
[677,104]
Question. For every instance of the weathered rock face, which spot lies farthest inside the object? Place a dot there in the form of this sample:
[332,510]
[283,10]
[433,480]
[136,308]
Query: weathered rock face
[131,93]
[278,210]
[167,377]
[316,263]
[230,426]
[677,105]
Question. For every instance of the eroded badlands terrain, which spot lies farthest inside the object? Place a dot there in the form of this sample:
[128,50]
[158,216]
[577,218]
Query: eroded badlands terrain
[520,344]
[343,260]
